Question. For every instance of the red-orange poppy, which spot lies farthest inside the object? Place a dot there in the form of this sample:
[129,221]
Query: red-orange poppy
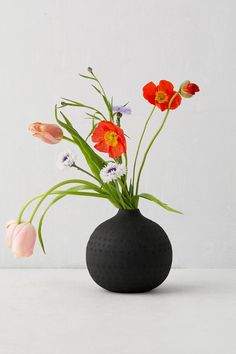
[109,138]
[188,89]
[160,95]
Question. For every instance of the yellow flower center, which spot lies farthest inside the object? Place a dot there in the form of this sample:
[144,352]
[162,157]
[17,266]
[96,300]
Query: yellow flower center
[111,138]
[161,97]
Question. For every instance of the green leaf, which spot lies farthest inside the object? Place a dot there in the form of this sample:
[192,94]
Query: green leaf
[94,161]
[87,77]
[107,103]
[91,131]
[135,200]
[97,89]
[92,116]
[155,200]
[68,102]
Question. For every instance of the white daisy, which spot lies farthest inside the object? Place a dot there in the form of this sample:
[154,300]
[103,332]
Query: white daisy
[112,171]
[66,159]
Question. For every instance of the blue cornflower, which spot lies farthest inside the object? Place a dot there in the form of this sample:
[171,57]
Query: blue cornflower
[122,109]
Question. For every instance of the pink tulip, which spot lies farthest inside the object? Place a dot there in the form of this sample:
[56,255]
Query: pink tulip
[10,227]
[49,133]
[20,238]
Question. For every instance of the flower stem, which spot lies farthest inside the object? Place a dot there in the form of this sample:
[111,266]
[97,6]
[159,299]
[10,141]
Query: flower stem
[125,193]
[126,166]
[152,141]
[68,139]
[140,141]
[26,205]
[119,195]
[48,193]
[88,173]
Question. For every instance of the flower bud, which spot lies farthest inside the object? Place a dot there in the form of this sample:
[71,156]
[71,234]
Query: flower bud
[188,89]
[20,238]
[49,133]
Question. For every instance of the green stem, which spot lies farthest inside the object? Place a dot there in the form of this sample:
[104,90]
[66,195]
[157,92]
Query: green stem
[105,98]
[68,139]
[120,197]
[126,166]
[152,141]
[35,198]
[48,193]
[26,205]
[140,141]
[87,173]
[126,193]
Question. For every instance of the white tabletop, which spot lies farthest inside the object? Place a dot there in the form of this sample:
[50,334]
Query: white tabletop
[65,312]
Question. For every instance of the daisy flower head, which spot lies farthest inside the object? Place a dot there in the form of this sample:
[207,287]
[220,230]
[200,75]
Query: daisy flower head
[66,159]
[122,109]
[112,171]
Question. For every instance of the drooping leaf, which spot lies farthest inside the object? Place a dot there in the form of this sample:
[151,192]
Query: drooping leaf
[62,194]
[159,202]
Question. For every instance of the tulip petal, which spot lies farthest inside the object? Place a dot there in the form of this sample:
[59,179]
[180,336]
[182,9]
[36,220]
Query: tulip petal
[48,133]
[23,240]
[9,230]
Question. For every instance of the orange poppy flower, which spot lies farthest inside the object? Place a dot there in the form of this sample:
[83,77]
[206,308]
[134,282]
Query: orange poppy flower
[109,138]
[161,95]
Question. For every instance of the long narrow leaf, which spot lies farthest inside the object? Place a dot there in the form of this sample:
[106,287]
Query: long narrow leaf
[97,89]
[94,161]
[87,77]
[155,200]
[68,102]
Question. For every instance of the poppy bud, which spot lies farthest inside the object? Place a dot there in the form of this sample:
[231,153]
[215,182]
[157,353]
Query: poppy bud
[188,89]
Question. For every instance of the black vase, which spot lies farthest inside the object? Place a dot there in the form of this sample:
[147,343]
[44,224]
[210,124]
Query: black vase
[129,253]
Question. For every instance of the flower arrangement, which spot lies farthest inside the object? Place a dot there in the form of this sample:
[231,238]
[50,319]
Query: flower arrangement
[110,177]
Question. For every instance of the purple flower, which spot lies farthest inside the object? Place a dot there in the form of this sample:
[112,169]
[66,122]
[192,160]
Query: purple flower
[122,109]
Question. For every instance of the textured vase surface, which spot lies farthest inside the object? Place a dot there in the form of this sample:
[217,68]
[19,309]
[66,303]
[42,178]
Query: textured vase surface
[129,253]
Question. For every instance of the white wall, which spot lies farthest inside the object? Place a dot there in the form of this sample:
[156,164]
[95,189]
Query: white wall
[45,44]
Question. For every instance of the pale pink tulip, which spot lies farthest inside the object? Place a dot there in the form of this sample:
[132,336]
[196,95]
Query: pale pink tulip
[9,229]
[49,133]
[20,238]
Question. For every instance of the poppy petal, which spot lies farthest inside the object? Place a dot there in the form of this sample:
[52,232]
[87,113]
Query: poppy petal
[116,151]
[102,146]
[176,102]
[149,92]
[163,106]
[165,86]
[99,132]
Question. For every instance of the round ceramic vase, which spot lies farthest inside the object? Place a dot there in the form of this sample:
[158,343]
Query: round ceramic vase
[129,253]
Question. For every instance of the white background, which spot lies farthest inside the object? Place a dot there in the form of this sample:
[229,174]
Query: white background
[45,44]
